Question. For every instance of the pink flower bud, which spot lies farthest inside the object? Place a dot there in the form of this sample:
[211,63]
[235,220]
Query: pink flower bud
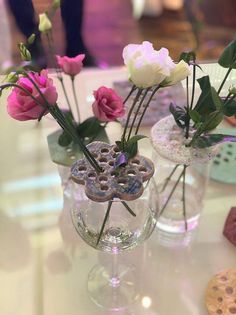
[71,66]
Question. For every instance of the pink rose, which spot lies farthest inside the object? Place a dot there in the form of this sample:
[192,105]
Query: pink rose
[71,66]
[21,106]
[108,105]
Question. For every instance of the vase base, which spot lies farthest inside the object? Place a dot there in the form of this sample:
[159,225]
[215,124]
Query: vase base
[114,293]
[175,239]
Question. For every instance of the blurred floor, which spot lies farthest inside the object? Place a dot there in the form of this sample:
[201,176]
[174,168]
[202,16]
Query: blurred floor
[109,26]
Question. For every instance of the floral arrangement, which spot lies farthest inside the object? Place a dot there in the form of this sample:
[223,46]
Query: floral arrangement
[33,95]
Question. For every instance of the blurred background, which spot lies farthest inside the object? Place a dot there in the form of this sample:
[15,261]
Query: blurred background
[205,26]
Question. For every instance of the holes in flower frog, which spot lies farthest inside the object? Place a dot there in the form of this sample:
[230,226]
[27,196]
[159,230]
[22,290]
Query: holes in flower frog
[104,150]
[103,179]
[230,145]
[232,310]
[229,152]
[142,169]
[219,311]
[92,175]
[104,187]
[223,278]
[220,299]
[135,162]
[82,168]
[116,149]
[102,160]
[113,174]
[226,159]
[229,290]
[215,288]
[122,181]
[131,173]
[94,154]
[111,163]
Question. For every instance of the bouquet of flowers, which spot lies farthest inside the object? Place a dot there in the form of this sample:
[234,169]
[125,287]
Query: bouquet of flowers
[33,95]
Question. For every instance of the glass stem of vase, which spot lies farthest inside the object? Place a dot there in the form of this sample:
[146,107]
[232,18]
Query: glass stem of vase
[114,276]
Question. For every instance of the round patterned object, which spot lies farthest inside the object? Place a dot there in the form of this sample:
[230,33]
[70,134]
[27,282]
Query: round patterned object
[127,185]
[221,293]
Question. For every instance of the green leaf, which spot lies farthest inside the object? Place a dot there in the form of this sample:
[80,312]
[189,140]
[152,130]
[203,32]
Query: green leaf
[68,115]
[135,139]
[230,109]
[132,150]
[205,104]
[212,121]
[195,116]
[228,57]
[179,114]
[210,140]
[131,146]
[90,127]
[216,99]
[119,145]
[188,56]
[64,139]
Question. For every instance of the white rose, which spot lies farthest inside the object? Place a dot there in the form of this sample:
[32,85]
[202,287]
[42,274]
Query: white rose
[147,67]
[178,73]
[45,24]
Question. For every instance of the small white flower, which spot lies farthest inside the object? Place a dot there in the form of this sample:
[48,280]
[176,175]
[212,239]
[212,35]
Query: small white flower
[147,67]
[178,73]
[45,24]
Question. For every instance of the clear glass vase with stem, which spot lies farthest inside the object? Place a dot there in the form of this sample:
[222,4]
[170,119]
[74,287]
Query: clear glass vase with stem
[126,225]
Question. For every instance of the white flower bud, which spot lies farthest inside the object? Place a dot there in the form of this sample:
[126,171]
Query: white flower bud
[177,74]
[45,24]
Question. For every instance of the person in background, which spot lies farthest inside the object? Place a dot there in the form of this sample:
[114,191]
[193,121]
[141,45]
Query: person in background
[72,17]
[5,39]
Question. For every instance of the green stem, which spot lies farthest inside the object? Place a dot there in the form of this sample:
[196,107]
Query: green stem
[128,208]
[145,109]
[171,193]
[229,100]
[184,201]
[223,82]
[104,221]
[193,87]
[58,71]
[131,92]
[137,112]
[66,95]
[130,112]
[227,97]
[188,120]
[169,178]
[52,53]
[75,97]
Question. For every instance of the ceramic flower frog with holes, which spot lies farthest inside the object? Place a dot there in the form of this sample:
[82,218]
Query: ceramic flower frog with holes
[125,183]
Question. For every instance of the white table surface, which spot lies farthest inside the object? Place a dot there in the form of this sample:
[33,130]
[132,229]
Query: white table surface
[43,262]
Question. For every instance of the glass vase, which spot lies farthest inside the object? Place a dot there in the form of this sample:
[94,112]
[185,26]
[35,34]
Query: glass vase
[114,288]
[181,191]
[181,177]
